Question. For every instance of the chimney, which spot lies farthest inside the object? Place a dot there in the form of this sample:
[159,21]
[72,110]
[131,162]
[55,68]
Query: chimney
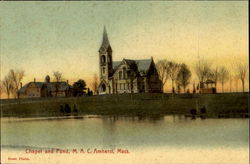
[67,81]
[34,80]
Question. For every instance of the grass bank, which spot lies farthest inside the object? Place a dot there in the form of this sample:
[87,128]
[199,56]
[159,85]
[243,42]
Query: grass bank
[216,105]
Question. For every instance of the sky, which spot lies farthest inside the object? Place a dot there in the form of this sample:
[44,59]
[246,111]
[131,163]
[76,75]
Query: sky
[42,37]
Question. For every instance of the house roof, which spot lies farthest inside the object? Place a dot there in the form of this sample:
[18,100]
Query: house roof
[62,86]
[37,84]
[51,86]
[23,89]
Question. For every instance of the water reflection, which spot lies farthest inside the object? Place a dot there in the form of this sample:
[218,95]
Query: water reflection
[147,137]
[109,137]
[124,131]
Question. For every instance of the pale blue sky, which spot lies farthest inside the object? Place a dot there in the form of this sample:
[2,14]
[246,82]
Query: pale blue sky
[42,37]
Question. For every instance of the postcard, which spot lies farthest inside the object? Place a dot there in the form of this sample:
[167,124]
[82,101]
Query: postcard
[124,82]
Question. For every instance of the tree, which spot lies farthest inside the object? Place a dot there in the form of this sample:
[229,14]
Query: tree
[79,88]
[230,82]
[163,71]
[57,79]
[173,71]
[57,76]
[214,75]
[236,80]
[242,72]
[223,76]
[16,77]
[194,88]
[183,76]
[94,84]
[202,70]
[7,85]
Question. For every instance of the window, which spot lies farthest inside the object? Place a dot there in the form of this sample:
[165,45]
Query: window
[124,73]
[120,75]
[103,59]
[103,70]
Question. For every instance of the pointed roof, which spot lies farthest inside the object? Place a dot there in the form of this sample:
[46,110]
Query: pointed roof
[105,41]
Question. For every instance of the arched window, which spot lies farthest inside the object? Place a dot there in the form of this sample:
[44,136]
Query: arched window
[103,59]
[124,73]
[120,74]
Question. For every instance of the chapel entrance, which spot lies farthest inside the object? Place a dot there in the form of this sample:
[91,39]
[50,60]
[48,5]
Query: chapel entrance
[103,88]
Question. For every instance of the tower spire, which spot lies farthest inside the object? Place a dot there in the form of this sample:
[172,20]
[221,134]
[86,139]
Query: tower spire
[105,36]
[105,41]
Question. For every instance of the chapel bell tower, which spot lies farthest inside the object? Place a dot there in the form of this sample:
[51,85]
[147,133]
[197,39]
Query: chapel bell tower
[105,58]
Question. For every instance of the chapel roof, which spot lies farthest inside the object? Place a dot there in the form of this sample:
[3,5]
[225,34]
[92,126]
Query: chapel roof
[142,65]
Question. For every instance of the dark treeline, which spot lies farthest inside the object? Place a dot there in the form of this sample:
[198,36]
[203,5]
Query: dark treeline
[180,74]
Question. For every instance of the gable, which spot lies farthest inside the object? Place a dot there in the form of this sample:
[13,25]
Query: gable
[152,70]
[119,65]
[142,66]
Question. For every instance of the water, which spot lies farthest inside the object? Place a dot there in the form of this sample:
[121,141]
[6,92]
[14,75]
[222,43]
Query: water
[157,139]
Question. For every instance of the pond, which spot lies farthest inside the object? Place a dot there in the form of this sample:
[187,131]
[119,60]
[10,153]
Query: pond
[120,139]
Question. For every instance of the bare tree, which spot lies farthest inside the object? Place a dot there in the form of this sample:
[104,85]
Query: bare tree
[202,70]
[163,71]
[16,77]
[236,80]
[7,85]
[230,82]
[58,79]
[173,71]
[242,72]
[214,75]
[223,76]
[57,76]
[94,83]
[183,77]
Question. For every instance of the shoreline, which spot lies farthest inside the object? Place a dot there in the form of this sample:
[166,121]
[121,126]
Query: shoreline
[222,105]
